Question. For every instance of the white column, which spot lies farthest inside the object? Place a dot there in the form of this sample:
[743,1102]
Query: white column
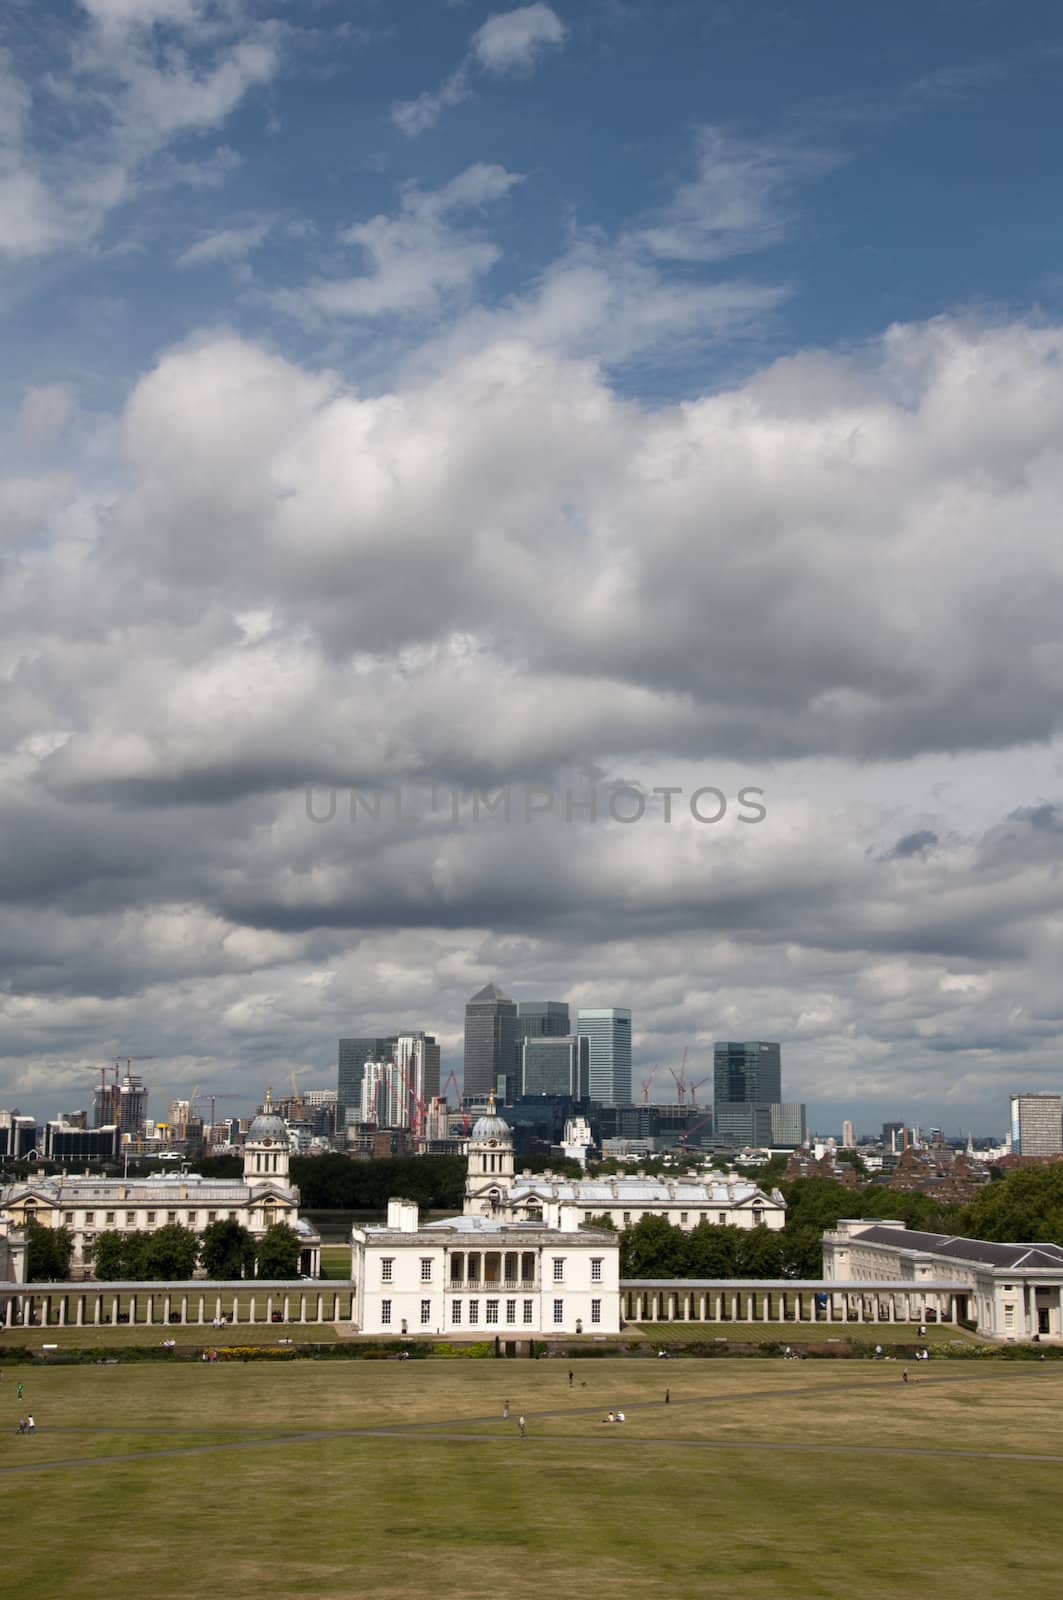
[251,1310]
[302,1308]
[184,1310]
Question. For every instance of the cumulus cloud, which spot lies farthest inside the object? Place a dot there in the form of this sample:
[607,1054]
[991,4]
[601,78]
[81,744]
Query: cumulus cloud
[509,43]
[506,571]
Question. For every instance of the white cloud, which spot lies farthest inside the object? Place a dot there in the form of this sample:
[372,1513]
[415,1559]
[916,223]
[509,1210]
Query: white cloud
[135,91]
[509,42]
[418,257]
[514,41]
[227,244]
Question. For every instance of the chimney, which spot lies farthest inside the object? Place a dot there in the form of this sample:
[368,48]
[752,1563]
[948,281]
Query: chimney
[403,1216]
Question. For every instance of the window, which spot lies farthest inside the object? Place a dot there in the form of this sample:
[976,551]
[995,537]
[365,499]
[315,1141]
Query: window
[426,1269]
[492,1310]
[722,1217]
[68,1218]
[385,1312]
[171,1216]
[212,1216]
[596,1269]
[386,1264]
[528,1311]
[682,1219]
[596,1311]
[151,1218]
[130,1218]
[559,1311]
[90,1218]
[455,1313]
[232,1216]
[474,1312]
[627,1219]
[559,1269]
[758,1216]
[109,1219]
[426,1312]
[511,1311]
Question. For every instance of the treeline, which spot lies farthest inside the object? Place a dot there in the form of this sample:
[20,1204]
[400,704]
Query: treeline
[336,1183]
[171,1254]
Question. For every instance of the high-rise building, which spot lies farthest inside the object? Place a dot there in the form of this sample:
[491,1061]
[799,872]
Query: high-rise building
[353,1055]
[542,1019]
[132,1104]
[490,1040]
[383,1098]
[848,1137]
[609,1031]
[18,1134]
[1036,1125]
[787,1125]
[417,1058]
[741,1123]
[747,1073]
[105,1105]
[556,1066]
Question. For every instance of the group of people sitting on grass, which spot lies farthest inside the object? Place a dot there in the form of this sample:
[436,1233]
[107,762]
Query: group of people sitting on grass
[615,1416]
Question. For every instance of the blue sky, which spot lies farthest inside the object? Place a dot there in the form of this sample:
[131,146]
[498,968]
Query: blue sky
[487,394]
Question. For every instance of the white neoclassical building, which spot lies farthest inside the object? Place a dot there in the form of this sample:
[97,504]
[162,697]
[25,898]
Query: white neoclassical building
[1009,1291]
[492,1189]
[90,1205]
[484,1273]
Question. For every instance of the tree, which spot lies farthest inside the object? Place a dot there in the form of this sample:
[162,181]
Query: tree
[109,1256]
[170,1253]
[604,1221]
[48,1252]
[1026,1206]
[277,1255]
[653,1248]
[227,1251]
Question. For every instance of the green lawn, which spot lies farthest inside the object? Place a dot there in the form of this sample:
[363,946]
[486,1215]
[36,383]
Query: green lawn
[715,1493]
[883,1333]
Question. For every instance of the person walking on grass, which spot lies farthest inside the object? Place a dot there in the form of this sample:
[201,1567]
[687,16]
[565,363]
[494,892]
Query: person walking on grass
[904,1375]
[19,1395]
[31,1426]
[505,1411]
[668,1397]
[520,1425]
[570,1378]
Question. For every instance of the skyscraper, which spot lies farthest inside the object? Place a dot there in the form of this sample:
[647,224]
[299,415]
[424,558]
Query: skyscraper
[609,1032]
[353,1055]
[490,1040]
[555,1066]
[542,1019]
[747,1073]
[417,1058]
[1036,1125]
[848,1137]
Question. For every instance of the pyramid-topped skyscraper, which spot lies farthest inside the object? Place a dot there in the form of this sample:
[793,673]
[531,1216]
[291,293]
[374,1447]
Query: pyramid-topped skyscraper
[490,1040]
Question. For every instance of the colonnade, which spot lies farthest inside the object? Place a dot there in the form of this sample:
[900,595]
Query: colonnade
[105,1305]
[775,1302]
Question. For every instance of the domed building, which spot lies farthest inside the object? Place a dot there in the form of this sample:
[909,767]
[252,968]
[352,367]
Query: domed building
[490,1170]
[90,1205]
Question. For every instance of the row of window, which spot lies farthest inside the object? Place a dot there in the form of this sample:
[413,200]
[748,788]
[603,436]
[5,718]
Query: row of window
[387,1269]
[109,1219]
[491,1312]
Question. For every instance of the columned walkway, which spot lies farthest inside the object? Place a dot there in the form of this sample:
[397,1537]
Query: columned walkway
[199,1303]
[781,1300]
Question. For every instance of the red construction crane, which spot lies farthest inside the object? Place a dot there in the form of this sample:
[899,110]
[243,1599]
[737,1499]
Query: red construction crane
[694,1128]
[696,1085]
[465,1118]
[647,1084]
[417,1120]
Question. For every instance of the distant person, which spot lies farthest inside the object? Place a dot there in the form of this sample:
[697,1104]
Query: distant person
[904,1375]
[878,1352]
[922,1330]
[620,1417]
[609,1418]
[505,1411]
[31,1426]
[19,1395]
[668,1397]
[21,1425]
[569,1379]
[520,1425]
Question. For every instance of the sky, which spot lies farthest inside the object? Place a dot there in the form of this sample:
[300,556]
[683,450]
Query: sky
[407,399]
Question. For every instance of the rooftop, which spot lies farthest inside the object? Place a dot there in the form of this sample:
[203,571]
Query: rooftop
[979,1252]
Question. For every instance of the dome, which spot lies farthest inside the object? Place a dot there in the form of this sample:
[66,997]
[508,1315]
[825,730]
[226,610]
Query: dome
[267,1125]
[491,1127]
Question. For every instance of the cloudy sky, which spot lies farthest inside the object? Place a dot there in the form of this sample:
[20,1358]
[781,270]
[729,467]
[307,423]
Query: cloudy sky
[661,393]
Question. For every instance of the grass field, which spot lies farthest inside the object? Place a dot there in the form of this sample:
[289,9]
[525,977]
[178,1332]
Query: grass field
[399,1480]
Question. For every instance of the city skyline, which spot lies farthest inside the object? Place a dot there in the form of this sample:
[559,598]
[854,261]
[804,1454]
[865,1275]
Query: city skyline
[551,413]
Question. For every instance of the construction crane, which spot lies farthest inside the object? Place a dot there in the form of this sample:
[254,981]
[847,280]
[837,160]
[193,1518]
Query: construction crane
[694,1128]
[129,1062]
[466,1120]
[417,1121]
[681,1079]
[297,1098]
[695,1086]
[647,1084]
